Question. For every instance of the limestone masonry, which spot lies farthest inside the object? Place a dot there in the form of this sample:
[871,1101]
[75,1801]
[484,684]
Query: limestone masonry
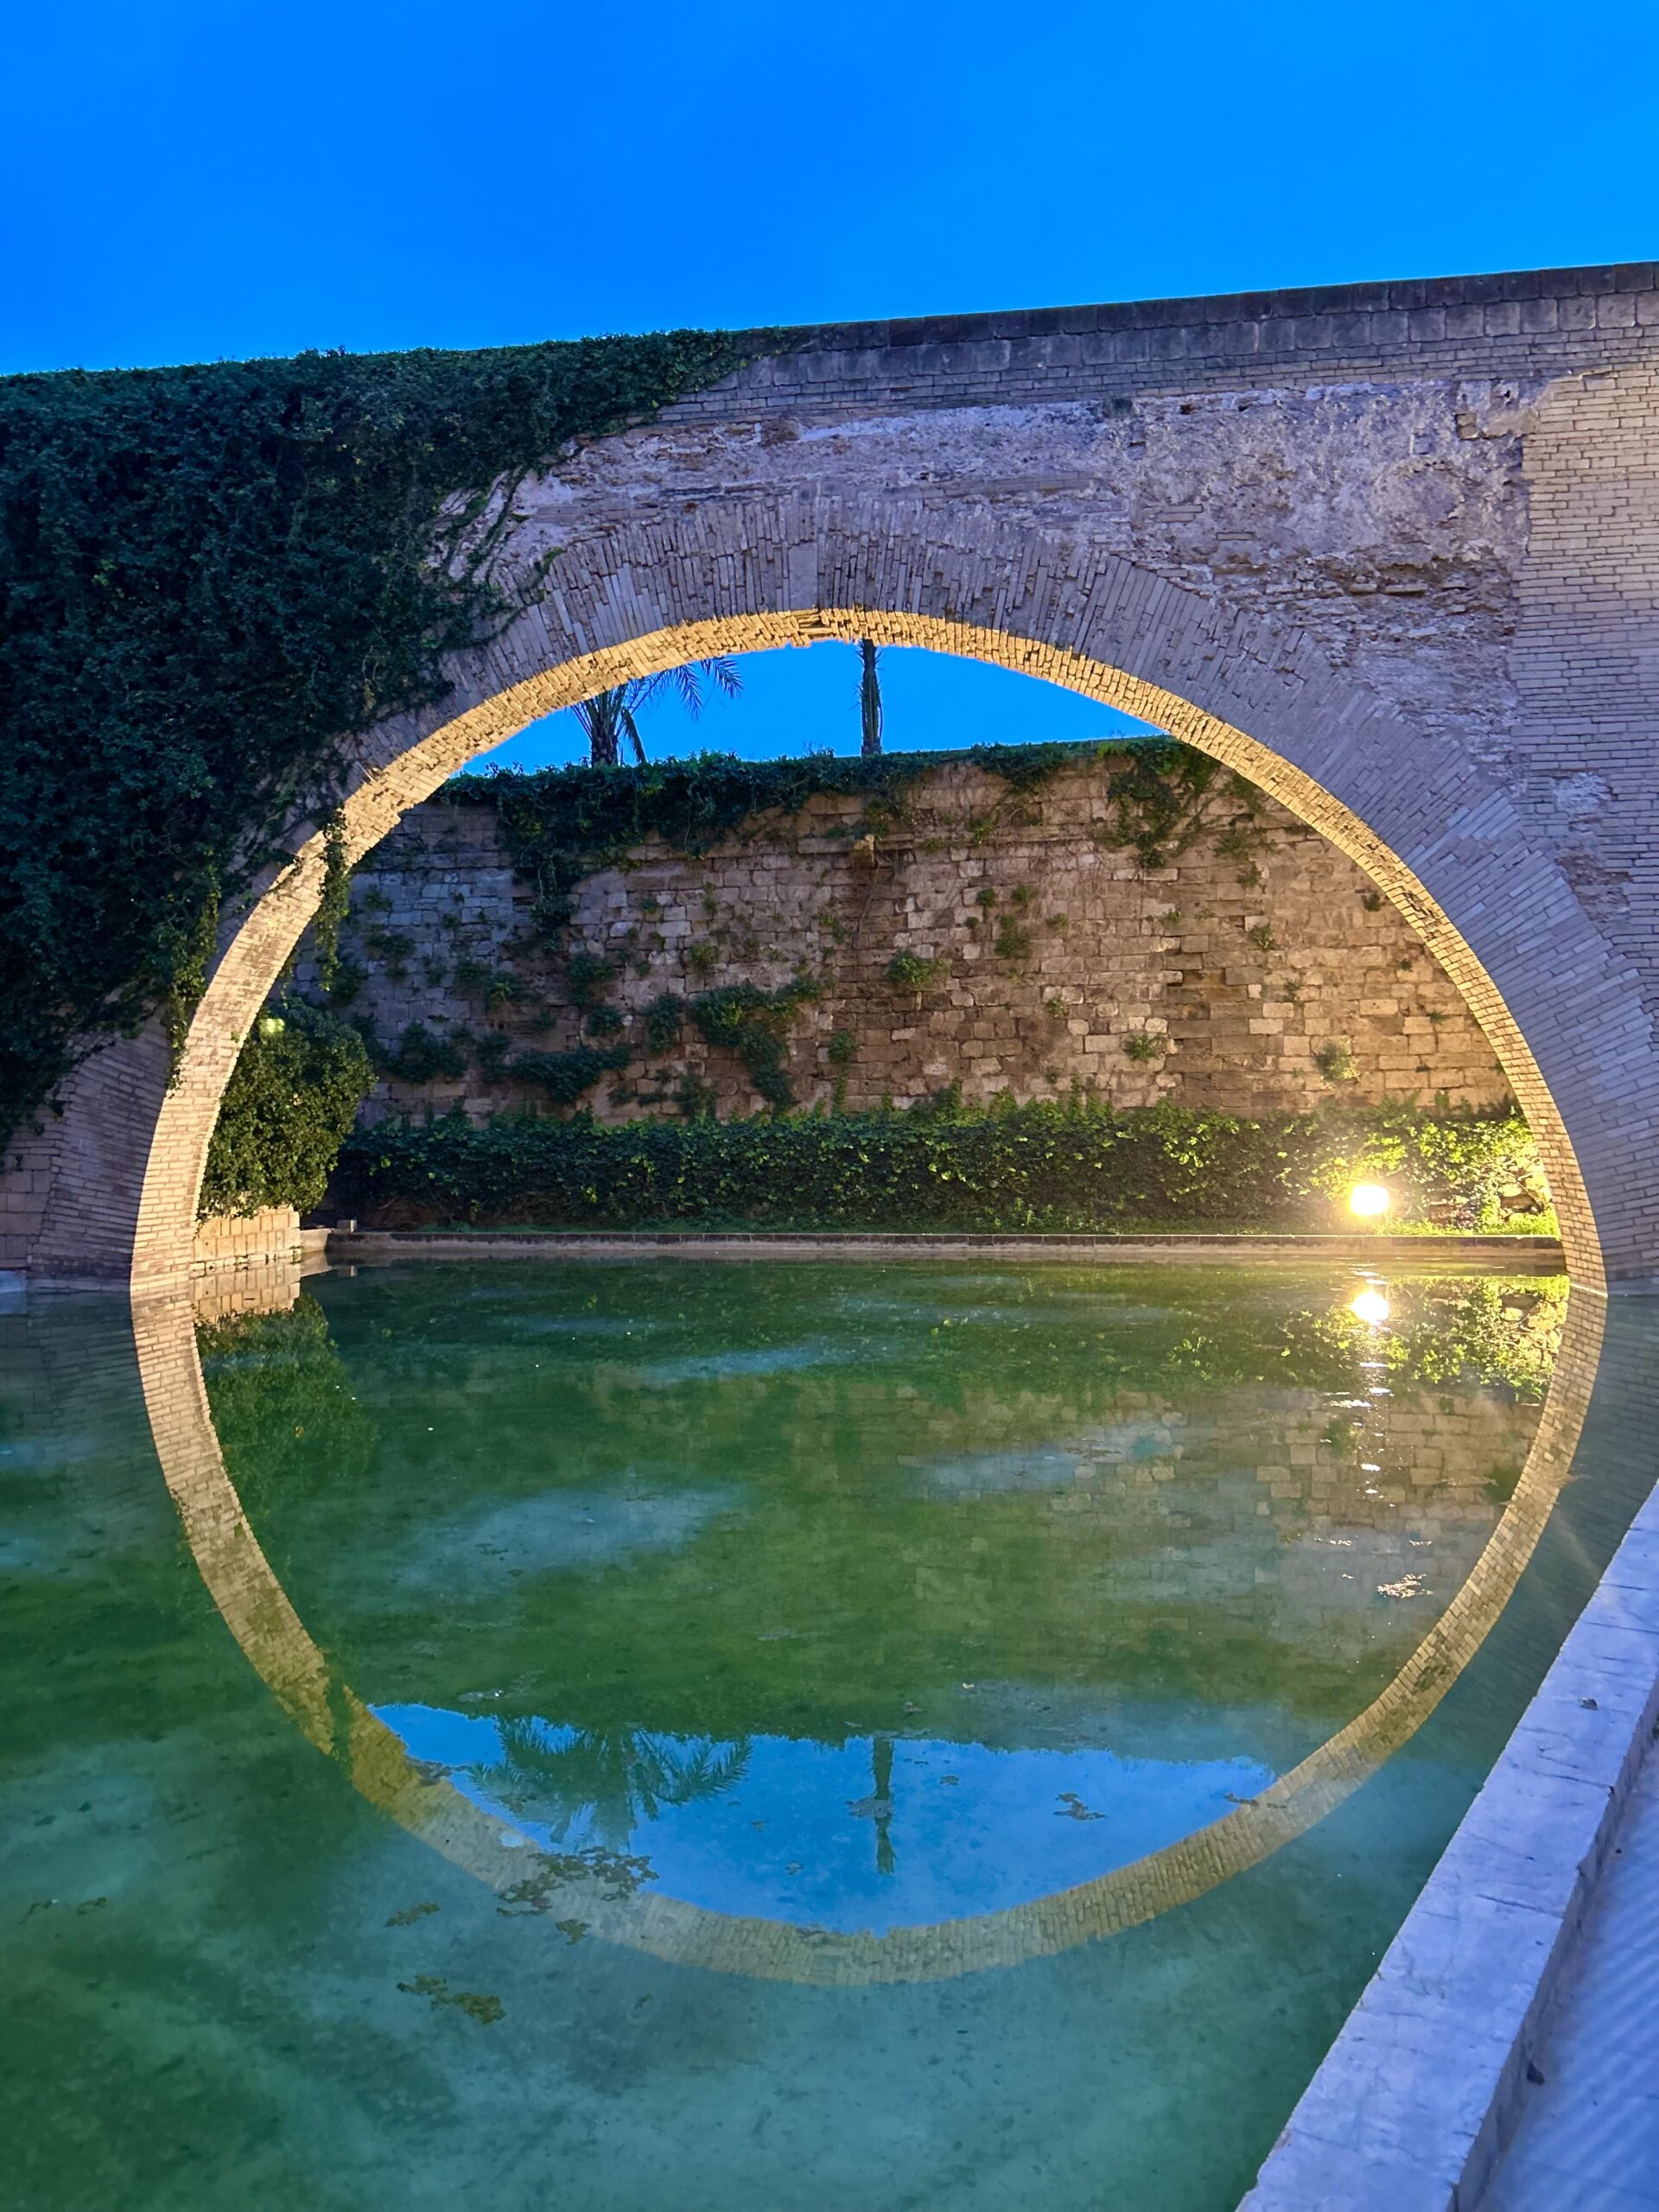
[1260,970]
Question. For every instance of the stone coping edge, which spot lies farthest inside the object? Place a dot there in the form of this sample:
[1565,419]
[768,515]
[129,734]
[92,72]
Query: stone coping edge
[1523,1253]
[1417,2100]
[1372,296]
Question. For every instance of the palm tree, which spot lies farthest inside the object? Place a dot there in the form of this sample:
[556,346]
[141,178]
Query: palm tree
[869,695]
[610,716]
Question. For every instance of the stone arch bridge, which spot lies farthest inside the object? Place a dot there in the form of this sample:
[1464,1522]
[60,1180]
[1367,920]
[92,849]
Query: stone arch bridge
[1392,550]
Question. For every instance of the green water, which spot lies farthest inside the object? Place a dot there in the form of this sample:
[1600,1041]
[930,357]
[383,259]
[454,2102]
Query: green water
[833,1618]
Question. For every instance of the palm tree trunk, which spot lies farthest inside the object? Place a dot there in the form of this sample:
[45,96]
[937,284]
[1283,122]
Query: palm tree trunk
[601,717]
[869,698]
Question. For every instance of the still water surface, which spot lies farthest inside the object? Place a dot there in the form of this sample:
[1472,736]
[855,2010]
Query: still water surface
[798,1733]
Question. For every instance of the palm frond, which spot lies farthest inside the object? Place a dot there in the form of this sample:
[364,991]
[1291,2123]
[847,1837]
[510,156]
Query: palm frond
[609,717]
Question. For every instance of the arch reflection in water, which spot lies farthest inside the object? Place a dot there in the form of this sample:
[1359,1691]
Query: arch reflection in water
[729,1867]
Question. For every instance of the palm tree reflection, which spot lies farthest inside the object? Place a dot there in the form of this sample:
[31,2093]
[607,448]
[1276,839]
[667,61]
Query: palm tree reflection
[878,1805]
[613,1779]
[883,1762]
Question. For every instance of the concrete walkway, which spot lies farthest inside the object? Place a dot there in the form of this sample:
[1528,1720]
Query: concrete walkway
[1588,2136]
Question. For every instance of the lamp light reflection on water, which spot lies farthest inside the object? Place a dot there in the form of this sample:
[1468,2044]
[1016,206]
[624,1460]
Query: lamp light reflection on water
[1369,1305]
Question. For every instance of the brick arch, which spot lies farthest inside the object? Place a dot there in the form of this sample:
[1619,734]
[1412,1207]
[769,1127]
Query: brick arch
[1436,830]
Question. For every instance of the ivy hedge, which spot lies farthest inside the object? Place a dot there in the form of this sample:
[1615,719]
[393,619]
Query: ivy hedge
[292,1096]
[1075,1165]
[209,575]
[560,825]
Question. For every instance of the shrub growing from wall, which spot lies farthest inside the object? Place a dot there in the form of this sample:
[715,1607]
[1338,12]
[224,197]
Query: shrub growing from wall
[294,1092]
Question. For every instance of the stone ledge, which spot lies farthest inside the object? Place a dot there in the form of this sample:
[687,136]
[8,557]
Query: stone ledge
[1412,2109]
[1519,324]
[1391,297]
[1521,1253]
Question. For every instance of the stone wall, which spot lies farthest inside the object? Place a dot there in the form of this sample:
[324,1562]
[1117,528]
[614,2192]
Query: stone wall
[240,1261]
[1259,969]
[1514,323]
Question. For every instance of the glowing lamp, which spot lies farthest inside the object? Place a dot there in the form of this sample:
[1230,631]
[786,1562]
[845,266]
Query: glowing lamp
[1369,1306]
[1369,1200]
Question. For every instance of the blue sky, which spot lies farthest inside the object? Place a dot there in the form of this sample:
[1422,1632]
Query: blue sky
[807,701]
[195,179]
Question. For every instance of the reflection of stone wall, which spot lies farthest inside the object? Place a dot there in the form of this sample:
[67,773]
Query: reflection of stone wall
[251,1263]
[1401,1510]
[1325,1535]
[1363,1539]
[1061,958]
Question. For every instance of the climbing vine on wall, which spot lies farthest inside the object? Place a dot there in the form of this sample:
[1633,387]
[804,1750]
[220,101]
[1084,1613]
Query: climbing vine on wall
[566,1076]
[209,575]
[753,1024]
[560,825]
[333,904]
[1166,795]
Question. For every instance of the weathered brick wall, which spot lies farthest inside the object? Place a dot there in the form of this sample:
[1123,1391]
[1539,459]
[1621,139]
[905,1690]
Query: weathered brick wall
[253,1243]
[1218,981]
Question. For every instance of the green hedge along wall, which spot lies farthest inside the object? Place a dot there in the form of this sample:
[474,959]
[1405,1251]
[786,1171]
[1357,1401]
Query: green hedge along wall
[1077,1165]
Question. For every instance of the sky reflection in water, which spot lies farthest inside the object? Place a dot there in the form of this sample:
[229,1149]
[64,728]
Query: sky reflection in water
[870,1834]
